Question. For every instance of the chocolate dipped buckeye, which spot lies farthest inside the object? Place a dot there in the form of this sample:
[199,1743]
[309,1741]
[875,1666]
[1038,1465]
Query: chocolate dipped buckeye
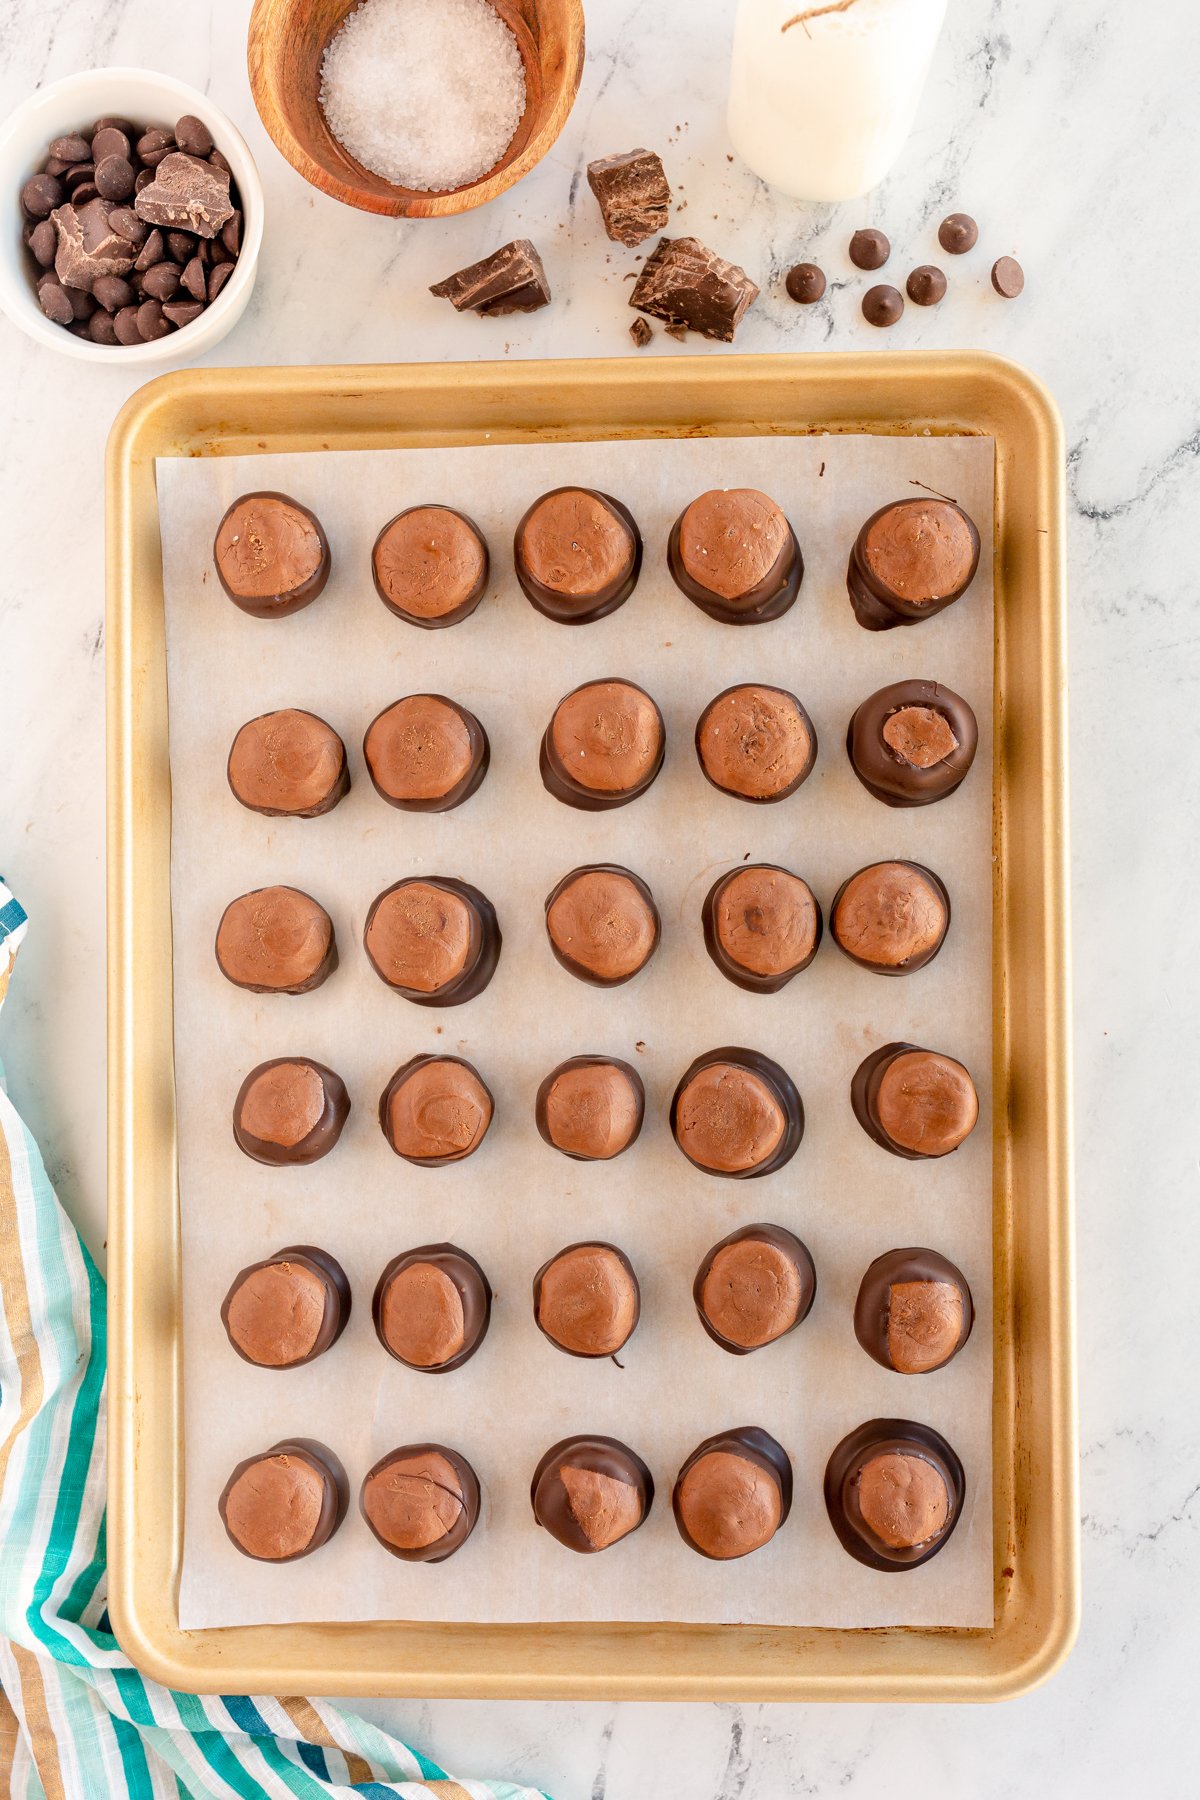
[578,554]
[435,940]
[286,1502]
[421,1502]
[762,925]
[914,1311]
[891,917]
[737,1113]
[426,753]
[602,924]
[911,560]
[287,1310]
[276,940]
[735,556]
[271,555]
[288,764]
[756,1285]
[603,747]
[756,743]
[435,1110]
[914,1102]
[590,1107]
[590,1492]
[912,743]
[894,1492]
[432,1308]
[290,1110]
[430,566]
[733,1493]
[586,1300]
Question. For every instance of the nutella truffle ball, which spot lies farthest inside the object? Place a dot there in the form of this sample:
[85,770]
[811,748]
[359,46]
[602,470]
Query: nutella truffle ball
[911,560]
[288,764]
[737,1113]
[891,917]
[756,1285]
[430,566]
[271,555]
[435,1110]
[590,1107]
[286,1502]
[914,1102]
[432,1308]
[590,1492]
[603,747]
[435,940]
[762,925]
[421,1502]
[276,940]
[288,1310]
[912,743]
[603,924]
[756,743]
[578,555]
[914,1311]
[894,1492]
[586,1299]
[426,753]
[735,556]
[733,1493]
[290,1110]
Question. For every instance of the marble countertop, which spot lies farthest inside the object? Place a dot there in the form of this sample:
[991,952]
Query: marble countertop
[1070,132]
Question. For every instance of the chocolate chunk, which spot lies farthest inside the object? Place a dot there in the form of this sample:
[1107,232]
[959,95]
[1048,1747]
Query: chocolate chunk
[753,1287]
[914,1312]
[641,333]
[590,1492]
[736,1113]
[186,192]
[193,135]
[511,280]
[40,195]
[433,939]
[910,561]
[590,1108]
[288,1310]
[926,285]
[87,246]
[756,743]
[914,1102]
[762,926]
[276,940]
[805,284]
[421,1501]
[869,249]
[958,233]
[285,1502]
[1008,277]
[733,1493]
[43,243]
[633,193]
[602,924]
[882,305]
[271,554]
[435,1110]
[287,764]
[685,283]
[894,1492]
[432,1307]
[426,753]
[586,1300]
[290,1110]
[891,917]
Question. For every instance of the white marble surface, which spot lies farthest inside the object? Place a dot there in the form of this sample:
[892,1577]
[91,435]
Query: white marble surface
[1070,131]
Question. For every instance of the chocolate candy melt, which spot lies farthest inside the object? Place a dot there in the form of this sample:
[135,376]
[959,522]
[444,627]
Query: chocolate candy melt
[430,566]
[914,1102]
[603,747]
[590,1107]
[734,554]
[426,753]
[805,284]
[914,1311]
[271,554]
[590,1492]
[891,917]
[756,1285]
[510,280]
[285,1502]
[436,940]
[586,1299]
[756,743]
[287,1310]
[602,924]
[912,743]
[432,1307]
[290,1110]
[911,560]
[421,1501]
[894,1492]
[737,1113]
[276,940]
[288,764]
[435,1110]
[578,554]
[762,926]
[733,1493]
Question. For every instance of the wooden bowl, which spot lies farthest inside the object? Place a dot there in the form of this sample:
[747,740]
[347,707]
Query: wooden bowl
[287,41]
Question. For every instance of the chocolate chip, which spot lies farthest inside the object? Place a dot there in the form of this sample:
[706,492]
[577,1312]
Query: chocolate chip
[79,328]
[101,328]
[112,292]
[195,279]
[685,283]
[150,321]
[154,144]
[882,305]
[512,279]
[151,252]
[869,249]
[926,285]
[219,162]
[55,302]
[805,284]
[182,312]
[162,281]
[125,326]
[85,192]
[181,246]
[77,174]
[1008,277]
[193,135]
[110,140]
[55,166]
[217,278]
[958,233]
[125,222]
[71,149]
[40,195]
[111,123]
[114,178]
[82,304]
[144,178]
[43,241]
[231,233]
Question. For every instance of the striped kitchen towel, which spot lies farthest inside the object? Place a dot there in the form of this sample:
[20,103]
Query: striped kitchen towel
[77,1721]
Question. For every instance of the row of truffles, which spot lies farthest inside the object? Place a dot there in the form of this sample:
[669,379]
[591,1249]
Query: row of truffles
[734,1113]
[894,1491]
[577,555]
[432,1306]
[910,744]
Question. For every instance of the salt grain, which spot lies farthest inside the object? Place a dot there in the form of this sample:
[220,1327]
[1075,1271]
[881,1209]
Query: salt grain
[426,93]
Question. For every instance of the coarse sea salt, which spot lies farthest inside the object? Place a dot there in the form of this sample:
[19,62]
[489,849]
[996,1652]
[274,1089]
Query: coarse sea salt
[426,93]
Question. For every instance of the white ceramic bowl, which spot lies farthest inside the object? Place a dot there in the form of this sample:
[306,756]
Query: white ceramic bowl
[147,99]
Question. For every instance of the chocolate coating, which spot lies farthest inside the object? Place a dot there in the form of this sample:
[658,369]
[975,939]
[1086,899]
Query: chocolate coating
[287,1310]
[435,939]
[602,924]
[426,753]
[290,1110]
[891,917]
[430,566]
[276,940]
[590,1107]
[285,1502]
[586,1299]
[435,1110]
[756,743]
[914,1311]
[288,764]
[590,1492]
[733,1493]
[577,555]
[912,743]
[271,555]
[762,926]
[894,1492]
[914,1102]
[432,1307]
[603,747]
[737,1113]
[421,1501]
[756,1285]
[735,556]
[911,559]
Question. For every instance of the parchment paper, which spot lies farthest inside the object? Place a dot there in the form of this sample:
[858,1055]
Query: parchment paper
[517,1201]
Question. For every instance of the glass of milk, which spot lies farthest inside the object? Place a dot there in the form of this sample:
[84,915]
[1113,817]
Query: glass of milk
[821,96]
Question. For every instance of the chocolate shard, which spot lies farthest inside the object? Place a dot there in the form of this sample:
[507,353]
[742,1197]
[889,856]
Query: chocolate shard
[87,246]
[641,333]
[633,193]
[511,280]
[685,283]
[186,193]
